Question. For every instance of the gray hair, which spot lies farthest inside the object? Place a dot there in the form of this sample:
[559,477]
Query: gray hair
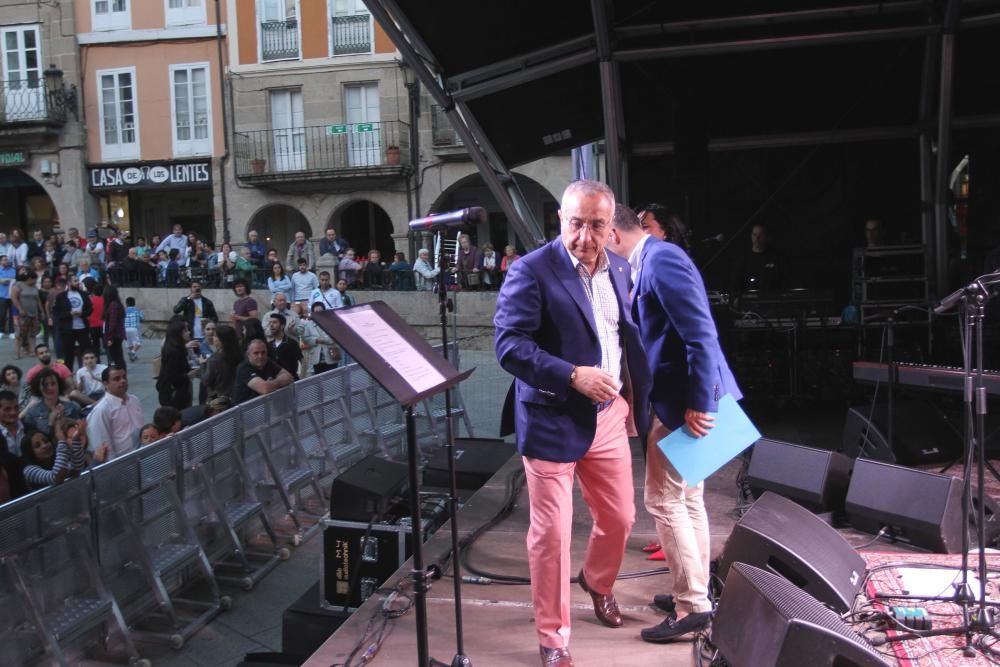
[588,187]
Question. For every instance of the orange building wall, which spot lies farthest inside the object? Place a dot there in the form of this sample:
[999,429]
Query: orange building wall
[146,14]
[382,42]
[246,26]
[315,29]
[152,66]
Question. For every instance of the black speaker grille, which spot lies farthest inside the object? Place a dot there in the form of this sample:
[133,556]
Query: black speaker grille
[795,604]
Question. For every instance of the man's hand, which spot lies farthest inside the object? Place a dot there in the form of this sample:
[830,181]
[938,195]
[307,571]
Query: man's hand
[698,422]
[595,384]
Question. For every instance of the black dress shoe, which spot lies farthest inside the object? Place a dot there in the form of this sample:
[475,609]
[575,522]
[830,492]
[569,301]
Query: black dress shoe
[605,606]
[665,603]
[672,630]
[555,657]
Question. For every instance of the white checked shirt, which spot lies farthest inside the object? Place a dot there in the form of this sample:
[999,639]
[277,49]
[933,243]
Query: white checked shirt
[604,303]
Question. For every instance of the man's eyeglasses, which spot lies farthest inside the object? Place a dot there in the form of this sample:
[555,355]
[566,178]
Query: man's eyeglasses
[596,228]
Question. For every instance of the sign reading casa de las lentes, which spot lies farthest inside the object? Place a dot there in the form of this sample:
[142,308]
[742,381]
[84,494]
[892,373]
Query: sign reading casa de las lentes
[151,175]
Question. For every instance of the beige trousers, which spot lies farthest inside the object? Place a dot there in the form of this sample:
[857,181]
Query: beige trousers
[681,524]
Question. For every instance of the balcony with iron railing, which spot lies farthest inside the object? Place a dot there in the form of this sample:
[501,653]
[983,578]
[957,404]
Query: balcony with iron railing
[375,152]
[351,34]
[447,144]
[279,40]
[30,105]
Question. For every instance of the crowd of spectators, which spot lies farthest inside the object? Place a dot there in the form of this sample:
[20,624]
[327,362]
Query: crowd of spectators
[61,293]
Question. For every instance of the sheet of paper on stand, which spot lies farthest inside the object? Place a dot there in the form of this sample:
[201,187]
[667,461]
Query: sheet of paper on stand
[934,582]
[697,458]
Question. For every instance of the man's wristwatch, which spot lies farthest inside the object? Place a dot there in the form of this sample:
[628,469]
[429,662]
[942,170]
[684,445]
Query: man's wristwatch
[572,376]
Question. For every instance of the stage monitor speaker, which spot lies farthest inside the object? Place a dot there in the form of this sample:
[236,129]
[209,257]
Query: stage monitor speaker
[367,489]
[920,434]
[815,478]
[786,538]
[764,619]
[922,508]
[476,460]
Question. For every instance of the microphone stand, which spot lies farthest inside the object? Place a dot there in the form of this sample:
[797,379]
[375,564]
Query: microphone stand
[446,306]
[973,299]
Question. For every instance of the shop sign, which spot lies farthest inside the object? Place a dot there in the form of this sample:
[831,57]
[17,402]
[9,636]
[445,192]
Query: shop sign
[14,157]
[151,176]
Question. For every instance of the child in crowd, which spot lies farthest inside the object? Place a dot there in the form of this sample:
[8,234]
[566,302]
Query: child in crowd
[133,333]
[148,434]
[45,466]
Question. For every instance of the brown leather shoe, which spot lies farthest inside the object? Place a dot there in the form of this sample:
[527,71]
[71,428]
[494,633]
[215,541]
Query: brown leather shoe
[605,606]
[555,657]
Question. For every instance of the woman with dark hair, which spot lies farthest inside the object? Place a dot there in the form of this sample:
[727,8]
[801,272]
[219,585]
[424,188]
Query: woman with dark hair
[252,329]
[220,369]
[662,223]
[10,380]
[114,326]
[173,385]
[49,389]
[45,465]
[279,282]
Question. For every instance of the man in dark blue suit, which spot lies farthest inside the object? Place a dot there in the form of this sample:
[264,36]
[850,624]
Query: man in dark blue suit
[564,331]
[690,375]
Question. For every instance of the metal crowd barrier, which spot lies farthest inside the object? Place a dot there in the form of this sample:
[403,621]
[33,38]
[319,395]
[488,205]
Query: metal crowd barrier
[140,545]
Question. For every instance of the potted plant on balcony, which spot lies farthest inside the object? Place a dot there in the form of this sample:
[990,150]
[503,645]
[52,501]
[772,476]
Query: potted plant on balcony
[392,154]
[257,166]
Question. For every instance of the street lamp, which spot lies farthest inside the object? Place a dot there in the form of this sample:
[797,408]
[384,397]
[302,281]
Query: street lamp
[58,94]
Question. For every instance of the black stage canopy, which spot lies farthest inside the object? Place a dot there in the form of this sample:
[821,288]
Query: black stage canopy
[524,80]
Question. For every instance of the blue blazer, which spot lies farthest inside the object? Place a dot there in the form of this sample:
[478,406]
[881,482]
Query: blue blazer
[545,326]
[686,363]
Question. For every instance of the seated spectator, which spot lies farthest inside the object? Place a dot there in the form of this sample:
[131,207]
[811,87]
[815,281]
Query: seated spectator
[332,245]
[300,248]
[44,356]
[348,268]
[88,377]
[400,273]
[12,375]
[280,348]
[257,375]
[148,434]
[95,249]
[488,266]
[256,248]
[221,265]
[49,389]
[72,255]
[167,420]
[45,465]
[373,270]
[280,306]
[345,298]
[424,275]
[85,270]
[279,282]
[115,421]
[243,268]
[11,427]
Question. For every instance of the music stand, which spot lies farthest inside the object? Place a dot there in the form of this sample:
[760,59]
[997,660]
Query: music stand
[405,364]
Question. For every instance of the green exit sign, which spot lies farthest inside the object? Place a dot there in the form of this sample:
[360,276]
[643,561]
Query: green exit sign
[13,157]
[336,129]
[363,127]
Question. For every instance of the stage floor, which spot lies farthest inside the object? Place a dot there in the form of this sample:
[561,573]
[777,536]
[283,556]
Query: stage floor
[498,618]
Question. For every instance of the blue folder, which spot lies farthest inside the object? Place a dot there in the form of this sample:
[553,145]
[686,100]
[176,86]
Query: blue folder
[697,458]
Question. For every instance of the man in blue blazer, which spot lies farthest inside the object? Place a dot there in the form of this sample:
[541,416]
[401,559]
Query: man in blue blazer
[565,332]
[690,375]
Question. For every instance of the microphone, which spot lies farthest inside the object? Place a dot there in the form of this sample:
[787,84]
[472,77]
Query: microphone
[459,218]
[719,238]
